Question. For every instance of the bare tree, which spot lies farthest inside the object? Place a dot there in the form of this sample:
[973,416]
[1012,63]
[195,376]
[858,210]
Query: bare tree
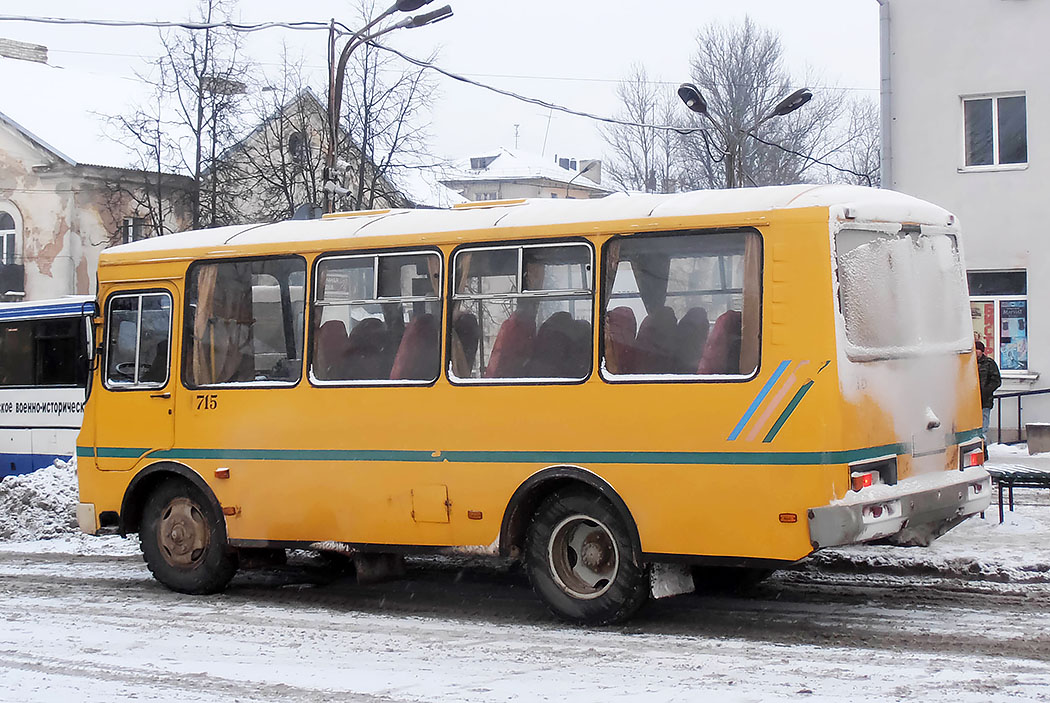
[190,117]
[207,93]
[383,121]
[277,167]
[643,158]
[147,134]
[859,160]
[740,71]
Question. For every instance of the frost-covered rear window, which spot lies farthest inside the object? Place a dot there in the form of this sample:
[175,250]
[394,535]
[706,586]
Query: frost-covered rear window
[901,293]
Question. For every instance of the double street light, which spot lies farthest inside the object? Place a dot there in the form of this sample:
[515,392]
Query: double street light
[337,70]
[733,137]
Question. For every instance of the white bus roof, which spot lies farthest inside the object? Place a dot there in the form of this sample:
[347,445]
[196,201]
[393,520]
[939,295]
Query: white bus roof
[865,204]
[68,306]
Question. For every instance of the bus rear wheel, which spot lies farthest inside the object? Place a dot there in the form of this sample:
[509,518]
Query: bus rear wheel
[581,562]
[184,540]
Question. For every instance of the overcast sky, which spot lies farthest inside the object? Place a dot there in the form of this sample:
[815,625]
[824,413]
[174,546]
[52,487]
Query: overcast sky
[567,52]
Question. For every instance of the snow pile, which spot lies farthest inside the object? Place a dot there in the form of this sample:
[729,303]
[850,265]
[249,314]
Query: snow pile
[1014,551]
[1012,453]
[39,505]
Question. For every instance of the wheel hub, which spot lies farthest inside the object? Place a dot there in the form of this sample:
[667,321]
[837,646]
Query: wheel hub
[583,557]
[184,533]
[593,553]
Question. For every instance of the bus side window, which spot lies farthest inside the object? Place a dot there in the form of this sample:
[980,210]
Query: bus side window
[42,352]
[138,349]
[523,312]
[244,322]
[376,318]
[682,304]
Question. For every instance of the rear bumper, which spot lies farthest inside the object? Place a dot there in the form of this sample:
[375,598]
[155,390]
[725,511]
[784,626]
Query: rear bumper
[914,511]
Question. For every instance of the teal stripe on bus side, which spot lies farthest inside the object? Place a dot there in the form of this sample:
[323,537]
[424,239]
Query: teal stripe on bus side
[297,454]
[844,456]
[758,399]
[787,411]
[120,452]
[516,457]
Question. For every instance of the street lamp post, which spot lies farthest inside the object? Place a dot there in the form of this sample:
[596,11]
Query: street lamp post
[337,70]
[734,138]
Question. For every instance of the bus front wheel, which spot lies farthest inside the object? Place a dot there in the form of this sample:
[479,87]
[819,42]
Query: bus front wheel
[184,540]
[581,562]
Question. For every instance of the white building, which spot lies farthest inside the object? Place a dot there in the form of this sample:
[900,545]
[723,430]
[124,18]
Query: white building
[57,214]
[502,174]
[965,91]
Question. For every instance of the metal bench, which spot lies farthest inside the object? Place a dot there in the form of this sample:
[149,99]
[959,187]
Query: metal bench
[1010,477]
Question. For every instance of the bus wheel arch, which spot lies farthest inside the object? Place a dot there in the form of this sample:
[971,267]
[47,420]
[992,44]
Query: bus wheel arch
[541,485]
[147,481]
[182,530]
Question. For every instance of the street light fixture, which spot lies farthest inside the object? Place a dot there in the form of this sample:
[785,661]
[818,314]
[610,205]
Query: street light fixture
[733,138]
[337,70]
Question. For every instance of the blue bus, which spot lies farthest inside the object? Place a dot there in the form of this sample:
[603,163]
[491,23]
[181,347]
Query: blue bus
[45,356]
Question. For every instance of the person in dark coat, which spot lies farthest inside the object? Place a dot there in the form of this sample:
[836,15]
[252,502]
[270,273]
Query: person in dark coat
[989,378]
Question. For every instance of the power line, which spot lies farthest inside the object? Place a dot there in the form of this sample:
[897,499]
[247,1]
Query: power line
[535,101]
[313,26]
[511,76]
[552,106]
[815,160]
[160,24]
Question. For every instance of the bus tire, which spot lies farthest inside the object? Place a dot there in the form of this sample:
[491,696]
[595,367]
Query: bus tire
[581,562]
[184,540]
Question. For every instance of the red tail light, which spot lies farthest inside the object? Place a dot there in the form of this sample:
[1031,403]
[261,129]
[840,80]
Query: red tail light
[974,457]
[863,480]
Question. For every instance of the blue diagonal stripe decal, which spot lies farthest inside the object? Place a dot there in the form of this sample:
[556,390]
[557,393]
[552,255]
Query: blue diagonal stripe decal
[758,399]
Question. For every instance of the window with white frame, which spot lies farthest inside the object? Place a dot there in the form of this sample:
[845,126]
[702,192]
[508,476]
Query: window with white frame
[8,242]
[995,131]
[999,308]
[133,229]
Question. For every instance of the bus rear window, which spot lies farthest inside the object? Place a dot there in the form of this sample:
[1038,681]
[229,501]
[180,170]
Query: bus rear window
[244,322]
[901,294]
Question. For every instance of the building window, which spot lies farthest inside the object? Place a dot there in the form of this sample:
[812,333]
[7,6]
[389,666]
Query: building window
[999,308]
[296,146]
[7,238]
[996,131]
[133,229]
[480,163]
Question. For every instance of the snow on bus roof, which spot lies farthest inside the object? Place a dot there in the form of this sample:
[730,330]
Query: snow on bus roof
[864,203]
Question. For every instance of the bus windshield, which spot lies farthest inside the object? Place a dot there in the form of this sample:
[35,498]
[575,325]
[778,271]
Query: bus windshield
[901,294]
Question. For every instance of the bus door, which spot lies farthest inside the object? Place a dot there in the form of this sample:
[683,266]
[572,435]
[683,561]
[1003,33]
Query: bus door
[137,393]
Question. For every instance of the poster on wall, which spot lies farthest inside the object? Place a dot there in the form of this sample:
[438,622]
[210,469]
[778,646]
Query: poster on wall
[983,314]
[1013,335]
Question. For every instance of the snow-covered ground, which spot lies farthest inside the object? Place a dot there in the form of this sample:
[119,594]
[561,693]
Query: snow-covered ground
[963,620]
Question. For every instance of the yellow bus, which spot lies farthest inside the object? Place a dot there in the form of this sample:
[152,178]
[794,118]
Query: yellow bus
[610,390]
